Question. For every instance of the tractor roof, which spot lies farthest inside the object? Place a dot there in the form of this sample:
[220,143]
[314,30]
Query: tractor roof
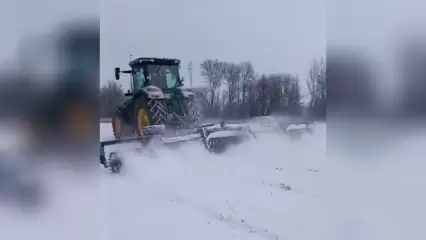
[159,61]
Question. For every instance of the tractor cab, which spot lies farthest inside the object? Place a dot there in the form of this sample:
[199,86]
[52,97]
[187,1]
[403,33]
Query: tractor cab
[160,72]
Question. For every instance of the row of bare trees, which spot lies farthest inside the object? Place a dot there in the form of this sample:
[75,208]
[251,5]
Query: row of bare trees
[236,91]
[228,87]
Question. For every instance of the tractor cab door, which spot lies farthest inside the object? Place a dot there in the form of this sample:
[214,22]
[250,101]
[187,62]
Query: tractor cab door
[171,80]
[138,79]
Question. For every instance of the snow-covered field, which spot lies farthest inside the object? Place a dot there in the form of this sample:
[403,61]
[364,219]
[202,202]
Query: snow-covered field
[270,188]
[263,189]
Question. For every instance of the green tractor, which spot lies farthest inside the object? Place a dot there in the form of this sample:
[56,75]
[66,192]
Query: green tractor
[157,97]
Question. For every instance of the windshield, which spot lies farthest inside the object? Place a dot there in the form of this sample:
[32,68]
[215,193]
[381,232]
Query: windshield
[164,76]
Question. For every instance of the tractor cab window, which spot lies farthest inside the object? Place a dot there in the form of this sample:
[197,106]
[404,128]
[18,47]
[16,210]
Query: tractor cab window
[164,76]
[171,79]
[139,78]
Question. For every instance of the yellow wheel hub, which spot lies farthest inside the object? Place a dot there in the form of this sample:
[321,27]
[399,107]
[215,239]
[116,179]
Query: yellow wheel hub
[142,120]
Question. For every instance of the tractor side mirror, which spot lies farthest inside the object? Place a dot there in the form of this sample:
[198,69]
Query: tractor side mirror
[181,81]
[117,73]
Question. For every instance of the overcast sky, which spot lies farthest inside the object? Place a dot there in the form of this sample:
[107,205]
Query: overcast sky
[275,35]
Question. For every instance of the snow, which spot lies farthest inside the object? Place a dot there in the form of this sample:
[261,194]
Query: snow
[191,194]
[268,188]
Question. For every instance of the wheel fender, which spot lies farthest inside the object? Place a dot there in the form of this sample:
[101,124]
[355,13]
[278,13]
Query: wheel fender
[186,93]
[153,92]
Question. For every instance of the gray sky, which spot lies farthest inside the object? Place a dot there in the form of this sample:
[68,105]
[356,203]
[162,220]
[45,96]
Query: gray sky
[275,35]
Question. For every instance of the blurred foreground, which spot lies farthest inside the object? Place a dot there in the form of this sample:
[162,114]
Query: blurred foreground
[49,134]
[376,102]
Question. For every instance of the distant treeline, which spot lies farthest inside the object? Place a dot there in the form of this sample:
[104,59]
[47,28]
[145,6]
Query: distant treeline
[235,90]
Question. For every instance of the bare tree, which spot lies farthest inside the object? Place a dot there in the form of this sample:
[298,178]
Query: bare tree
[212,71]
[316,84]
[293,96]
[245,94]
[262,98]
[277,83]
[232,79]
[247,77]
[284,93]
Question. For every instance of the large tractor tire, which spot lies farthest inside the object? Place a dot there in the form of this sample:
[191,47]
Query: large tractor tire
[192,112]
[148,112]
[120,127]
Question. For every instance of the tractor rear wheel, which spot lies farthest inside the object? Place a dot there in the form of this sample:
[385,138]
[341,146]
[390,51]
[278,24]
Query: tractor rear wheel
[149,112]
